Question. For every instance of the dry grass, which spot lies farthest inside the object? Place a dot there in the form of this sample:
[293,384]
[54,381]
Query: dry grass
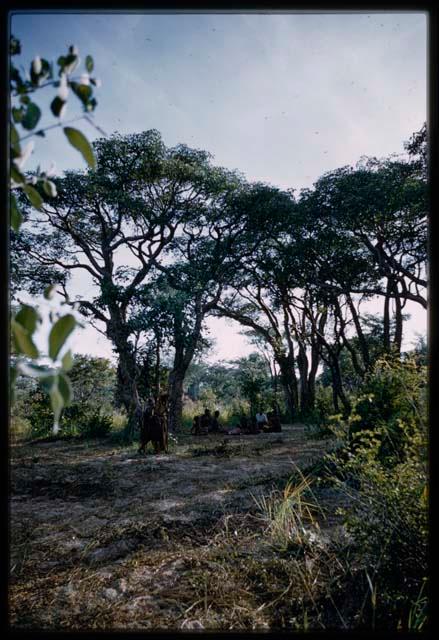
[105,539]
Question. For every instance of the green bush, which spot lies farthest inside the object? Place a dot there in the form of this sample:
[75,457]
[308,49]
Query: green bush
[389,409]
[384,471]
[39,413]
[389,525]
[318,421]
[20,429]
[96,425]
[83,420]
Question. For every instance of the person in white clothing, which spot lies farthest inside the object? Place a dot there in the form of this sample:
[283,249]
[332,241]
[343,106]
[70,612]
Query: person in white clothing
[261,419]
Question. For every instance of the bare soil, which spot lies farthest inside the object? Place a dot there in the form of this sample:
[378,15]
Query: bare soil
[104,538]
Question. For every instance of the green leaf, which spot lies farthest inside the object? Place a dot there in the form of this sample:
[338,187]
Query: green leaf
[23,341]
[83,91]
[34,197]
[91,106]
[32,116]
[67,361]
[49,188]
[24,99]
[48,291]
[80,142]
[28,317]
[59,334]
[35,370]
[12,379]
[56,105]
[16,217]
[65,388]
[89,64]
[70,58]
[15,139]
[46,68]
[57,402]
[14,46]
[16,175]
[17,114]
[48,382]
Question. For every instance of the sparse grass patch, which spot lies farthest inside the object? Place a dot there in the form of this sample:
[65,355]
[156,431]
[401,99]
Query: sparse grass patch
[289,516]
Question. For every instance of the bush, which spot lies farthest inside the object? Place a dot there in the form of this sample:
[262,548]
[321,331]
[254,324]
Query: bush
[96,426]
[83,420]
[20,429]
[229,415]
[319,420]
[390,408]
[39,413]
[384,469]
[388,522]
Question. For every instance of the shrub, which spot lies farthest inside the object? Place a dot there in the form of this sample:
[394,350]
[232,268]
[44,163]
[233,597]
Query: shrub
[384,469]
[388,522]
[318,421]
[20,429]
[39,413]
[389,410]
[96,425]
[82,420]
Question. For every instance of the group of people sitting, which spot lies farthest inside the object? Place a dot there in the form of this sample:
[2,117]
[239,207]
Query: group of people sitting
[261,422]
[154,424]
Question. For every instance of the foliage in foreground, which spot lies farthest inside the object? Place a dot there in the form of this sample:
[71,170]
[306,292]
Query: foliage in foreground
[383,469]
[38,189]
[373,573]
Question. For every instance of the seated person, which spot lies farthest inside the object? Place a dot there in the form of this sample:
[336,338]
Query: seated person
[205,421]
[243,426]
[236,431]
[261,420]
[253,426]
[214,423]
[274,424]
[195,429]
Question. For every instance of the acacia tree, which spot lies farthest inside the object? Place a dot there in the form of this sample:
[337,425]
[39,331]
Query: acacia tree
[376,213]
[179,317]
[114,224]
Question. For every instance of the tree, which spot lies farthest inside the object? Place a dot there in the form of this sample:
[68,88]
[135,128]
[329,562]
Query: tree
[115,224]
[254,381]
[93,380]
[205,253]
[377,210]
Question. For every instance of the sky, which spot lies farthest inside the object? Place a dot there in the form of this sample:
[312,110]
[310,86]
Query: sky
[281,97]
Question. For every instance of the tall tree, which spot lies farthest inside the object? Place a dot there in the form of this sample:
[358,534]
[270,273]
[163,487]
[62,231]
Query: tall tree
[114,225]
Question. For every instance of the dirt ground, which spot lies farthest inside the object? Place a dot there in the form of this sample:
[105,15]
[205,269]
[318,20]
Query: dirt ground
[104,538]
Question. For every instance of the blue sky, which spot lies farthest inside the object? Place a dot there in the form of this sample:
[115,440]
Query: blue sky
[281,97]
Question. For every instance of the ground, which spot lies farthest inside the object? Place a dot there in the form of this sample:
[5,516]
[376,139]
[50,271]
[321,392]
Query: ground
[105,538]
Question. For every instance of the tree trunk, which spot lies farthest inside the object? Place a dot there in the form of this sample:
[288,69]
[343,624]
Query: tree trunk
[338,385]
[117,333]
[288,382]
[176,379]
[361,339]
[386,318]
[302,362]
[157,370]
[312,377]
[334,391]
[397,340]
